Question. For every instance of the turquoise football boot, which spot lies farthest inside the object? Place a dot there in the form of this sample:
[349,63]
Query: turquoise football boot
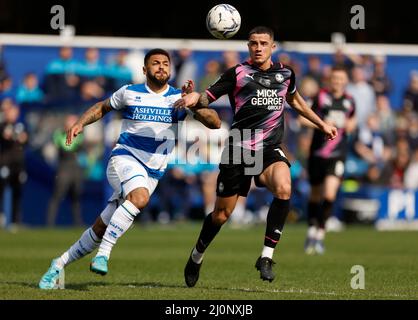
[99,265]
[54,278]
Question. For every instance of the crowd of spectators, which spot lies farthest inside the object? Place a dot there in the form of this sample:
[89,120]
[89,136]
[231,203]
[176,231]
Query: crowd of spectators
[384,149]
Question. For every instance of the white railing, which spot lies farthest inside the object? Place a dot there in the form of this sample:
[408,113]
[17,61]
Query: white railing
[199,45]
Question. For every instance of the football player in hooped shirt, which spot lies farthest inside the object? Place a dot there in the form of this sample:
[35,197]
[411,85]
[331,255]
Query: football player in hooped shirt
[137,162]
[257,89]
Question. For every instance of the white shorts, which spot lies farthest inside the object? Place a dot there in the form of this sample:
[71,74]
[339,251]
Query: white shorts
[125,174]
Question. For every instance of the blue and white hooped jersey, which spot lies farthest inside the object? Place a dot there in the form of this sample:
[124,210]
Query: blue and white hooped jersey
[149,125]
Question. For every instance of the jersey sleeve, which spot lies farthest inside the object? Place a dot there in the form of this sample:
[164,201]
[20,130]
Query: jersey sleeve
[315,103]
[225,84]
[291,89]
[352,112]
[180,115]
[117,100]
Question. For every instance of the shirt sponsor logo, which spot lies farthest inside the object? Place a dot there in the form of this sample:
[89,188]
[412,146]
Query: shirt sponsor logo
[268,98]
[152,114]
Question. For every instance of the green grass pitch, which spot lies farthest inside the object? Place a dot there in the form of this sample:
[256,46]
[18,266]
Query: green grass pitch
[148,262]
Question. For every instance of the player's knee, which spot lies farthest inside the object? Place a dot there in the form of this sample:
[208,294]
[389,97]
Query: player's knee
[221,215]
[283,190]
[138,199]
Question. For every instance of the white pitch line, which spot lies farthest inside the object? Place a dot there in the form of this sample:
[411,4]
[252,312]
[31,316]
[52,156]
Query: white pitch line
[299,291]
[285,291]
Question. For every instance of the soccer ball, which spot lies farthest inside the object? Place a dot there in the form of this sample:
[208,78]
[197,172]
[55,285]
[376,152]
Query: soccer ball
[223,21]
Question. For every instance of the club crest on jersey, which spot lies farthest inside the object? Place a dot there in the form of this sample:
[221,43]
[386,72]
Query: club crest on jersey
[279,77]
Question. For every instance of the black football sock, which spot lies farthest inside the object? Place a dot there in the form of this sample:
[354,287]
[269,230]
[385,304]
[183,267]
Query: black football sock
[325,213]
[276,218]
[314,209]
[207,234]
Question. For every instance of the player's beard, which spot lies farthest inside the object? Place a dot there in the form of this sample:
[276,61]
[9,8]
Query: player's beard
[158,82]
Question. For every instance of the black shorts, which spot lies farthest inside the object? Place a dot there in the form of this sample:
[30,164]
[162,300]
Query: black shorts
[235,178]
[319,168]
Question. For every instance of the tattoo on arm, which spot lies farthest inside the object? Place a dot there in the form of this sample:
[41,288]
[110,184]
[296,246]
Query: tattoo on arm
[208,117]
[95,113]
[203,100]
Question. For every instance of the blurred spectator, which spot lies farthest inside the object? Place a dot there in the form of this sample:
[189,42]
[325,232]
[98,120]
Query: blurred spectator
[118,72]
[230,59]
[401,127]
[380,80]
[372,175]
[185,67]
[208,173]
[91,156]
[411,173]
[410,98]
[393,173]
[91,69]
[413,132]
[286,59]
[314,69]
[212,74]
[13,138]
[369,143]
[366,62]
[326,76]
[387,118]
[61,83]
[178,183]
[308,88]
[135,61]
[69,177]
[29,91]
[346,61]
[90,93]
[363,95]
[6,88]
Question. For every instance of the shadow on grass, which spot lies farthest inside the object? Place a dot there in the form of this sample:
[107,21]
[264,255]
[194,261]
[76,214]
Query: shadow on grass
[79,287]
[87,286]
[151,285]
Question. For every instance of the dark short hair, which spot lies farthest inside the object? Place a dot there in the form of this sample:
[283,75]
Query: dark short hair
[262,29]
[339,68]
[153,52]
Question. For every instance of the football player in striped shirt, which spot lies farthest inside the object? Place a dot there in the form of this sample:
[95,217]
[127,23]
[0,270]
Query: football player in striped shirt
[137,161]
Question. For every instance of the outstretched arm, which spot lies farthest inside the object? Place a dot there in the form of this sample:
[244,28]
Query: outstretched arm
[299,104]
[93,114]
[207,117]
[193,100]
[198,104]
